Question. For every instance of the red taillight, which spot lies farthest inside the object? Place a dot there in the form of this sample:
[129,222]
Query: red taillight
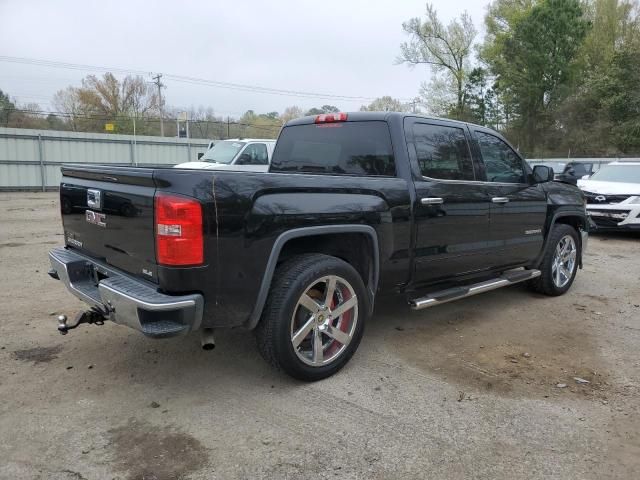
[331,117]
[178,230]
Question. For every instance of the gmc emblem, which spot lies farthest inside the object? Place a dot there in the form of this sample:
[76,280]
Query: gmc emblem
[99,219]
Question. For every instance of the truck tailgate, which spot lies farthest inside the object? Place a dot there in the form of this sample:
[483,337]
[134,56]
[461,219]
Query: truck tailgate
[107,213]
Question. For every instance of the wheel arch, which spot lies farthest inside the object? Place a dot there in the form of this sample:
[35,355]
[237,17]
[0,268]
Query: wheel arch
[315,240]
[575,219]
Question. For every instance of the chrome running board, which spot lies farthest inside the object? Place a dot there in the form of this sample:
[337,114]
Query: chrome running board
[444,296]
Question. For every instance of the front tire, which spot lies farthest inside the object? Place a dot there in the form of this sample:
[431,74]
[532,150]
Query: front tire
[560,262]
[314,317]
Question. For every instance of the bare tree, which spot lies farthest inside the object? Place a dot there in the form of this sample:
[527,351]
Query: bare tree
[109,97]
[290,113]
[67,101]
[386,104]
[446,49]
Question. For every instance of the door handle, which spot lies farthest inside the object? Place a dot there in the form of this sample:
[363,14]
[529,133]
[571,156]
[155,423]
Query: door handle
[500,200]
[431,201]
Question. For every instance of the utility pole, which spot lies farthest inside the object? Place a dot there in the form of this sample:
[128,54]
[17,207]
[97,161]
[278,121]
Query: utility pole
[160,85]
[414,105]
[228,121]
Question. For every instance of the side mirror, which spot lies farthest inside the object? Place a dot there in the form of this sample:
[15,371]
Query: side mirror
[200,155]
[542,173]
[243,159]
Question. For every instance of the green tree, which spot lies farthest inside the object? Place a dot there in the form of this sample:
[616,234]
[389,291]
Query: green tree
[533,60]
[446,49]
[481,102]
[253,125]
[323,109]
[6,108]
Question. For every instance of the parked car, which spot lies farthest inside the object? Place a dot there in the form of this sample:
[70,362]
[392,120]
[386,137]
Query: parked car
[354,205]
[573,171]
[613,196]
[249,155]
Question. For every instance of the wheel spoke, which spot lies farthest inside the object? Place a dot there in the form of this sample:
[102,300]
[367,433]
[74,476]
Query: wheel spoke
[303,331]
[309,303]
[558,281]
[345,307]
[318,355]
[331,288]
[337,334]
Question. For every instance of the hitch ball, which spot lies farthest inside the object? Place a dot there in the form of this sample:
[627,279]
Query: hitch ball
[62,324]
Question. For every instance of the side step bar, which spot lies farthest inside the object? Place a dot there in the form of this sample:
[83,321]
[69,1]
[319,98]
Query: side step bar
[456,293]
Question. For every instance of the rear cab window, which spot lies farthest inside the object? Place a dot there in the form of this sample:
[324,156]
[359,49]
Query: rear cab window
[341,148]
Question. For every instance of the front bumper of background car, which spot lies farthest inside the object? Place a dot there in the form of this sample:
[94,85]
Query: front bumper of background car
[624,215]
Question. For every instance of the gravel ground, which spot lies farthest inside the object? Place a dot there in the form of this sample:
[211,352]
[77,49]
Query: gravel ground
[465,390]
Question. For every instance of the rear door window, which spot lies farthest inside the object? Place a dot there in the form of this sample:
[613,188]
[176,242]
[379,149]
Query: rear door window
[341,148]
[443,152]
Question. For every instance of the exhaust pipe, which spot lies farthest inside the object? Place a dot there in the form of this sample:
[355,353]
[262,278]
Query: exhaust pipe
[208,342]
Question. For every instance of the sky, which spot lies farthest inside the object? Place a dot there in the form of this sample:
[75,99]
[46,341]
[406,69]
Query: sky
[331,47]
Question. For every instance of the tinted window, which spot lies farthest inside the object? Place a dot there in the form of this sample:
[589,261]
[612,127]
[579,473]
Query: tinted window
[353,148]
[257,153]
[442,152]
[501,163]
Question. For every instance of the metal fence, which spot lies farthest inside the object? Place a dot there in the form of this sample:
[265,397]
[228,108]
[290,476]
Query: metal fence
[31,159]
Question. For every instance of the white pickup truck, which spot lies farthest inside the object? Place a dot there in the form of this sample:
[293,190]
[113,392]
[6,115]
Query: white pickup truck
[246,154]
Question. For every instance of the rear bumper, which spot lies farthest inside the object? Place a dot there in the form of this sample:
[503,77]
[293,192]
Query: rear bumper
[124,299]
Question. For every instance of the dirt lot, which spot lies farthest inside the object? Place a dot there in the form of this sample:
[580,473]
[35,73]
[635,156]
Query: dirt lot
[466,390]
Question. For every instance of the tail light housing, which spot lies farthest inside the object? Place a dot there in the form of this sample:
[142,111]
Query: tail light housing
[179,236]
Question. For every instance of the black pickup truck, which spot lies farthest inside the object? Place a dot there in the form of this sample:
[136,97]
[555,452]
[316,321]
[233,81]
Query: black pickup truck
[354,205]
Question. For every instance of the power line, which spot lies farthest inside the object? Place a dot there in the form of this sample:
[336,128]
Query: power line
[187,79]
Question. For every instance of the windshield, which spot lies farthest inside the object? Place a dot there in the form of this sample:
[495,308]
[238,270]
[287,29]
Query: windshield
[223,152]
[618,173]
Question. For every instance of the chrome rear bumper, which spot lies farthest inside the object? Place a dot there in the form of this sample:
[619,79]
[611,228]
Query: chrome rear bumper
[124,299]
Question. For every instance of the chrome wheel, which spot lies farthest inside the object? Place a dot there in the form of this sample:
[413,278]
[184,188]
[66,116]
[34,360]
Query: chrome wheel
[324,320]
[564,261]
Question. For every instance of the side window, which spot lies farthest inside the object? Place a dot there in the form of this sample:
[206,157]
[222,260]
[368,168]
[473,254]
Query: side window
[257,153]
[443,152]
[501,163]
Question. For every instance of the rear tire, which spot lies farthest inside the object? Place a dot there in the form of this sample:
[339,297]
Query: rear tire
[299,332]
[560,262]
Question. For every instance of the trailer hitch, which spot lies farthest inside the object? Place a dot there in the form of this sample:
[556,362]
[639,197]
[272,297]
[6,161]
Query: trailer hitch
[94,316]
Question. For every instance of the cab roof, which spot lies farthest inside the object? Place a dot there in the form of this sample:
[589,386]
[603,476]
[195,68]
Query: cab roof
[372,116]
